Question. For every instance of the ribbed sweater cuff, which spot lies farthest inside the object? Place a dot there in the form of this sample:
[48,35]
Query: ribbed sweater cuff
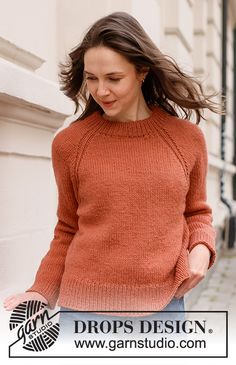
[205,239]
[49,293]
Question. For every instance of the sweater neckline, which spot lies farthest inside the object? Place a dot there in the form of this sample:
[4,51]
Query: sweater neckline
[137,128]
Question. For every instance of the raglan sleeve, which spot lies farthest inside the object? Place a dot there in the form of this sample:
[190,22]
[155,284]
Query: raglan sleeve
[198,213]
[49,274]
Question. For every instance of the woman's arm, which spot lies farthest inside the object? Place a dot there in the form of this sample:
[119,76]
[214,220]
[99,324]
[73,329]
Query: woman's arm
[198,215]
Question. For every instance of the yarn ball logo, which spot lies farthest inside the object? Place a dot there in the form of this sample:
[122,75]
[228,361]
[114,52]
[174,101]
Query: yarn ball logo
[35,327]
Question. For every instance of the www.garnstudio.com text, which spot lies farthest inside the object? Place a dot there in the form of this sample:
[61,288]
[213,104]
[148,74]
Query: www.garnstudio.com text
[161,343]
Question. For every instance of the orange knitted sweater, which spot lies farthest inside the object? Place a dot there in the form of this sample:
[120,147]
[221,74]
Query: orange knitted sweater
[131,204]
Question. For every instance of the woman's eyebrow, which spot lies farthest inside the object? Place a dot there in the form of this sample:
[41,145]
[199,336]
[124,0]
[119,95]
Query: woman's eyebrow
[108,74]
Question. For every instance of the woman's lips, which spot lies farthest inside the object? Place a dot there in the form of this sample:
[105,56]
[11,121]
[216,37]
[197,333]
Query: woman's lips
[108,104]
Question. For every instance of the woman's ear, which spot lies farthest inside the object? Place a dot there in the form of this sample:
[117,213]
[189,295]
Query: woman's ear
[144,72]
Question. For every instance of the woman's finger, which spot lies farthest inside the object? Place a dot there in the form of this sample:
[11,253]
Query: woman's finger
[10,306]
[9,298]
[181,289]
[8,302]
[187,285]
[13,302]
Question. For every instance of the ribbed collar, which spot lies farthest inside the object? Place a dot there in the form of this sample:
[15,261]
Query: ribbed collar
[137,128]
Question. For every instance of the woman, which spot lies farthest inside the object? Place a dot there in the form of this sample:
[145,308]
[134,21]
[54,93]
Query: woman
[134,231]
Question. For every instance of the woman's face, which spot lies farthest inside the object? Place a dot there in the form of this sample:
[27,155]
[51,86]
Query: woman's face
[112,81]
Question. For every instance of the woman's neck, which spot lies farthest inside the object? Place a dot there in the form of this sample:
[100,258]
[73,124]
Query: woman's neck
[138,112]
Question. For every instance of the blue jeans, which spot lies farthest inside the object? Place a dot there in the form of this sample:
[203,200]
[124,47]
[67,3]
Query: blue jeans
[66,320]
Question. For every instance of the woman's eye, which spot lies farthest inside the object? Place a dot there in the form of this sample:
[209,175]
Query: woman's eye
[111,79]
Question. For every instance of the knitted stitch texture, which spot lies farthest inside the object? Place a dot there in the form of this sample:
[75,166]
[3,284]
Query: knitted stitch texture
[131,205]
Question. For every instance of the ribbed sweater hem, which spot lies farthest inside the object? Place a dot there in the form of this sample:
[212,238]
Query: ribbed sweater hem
[85,296]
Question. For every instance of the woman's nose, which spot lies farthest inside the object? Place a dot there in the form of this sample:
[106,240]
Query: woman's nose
[102,90]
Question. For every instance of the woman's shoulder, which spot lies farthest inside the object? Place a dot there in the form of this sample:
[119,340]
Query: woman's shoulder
[187,139]
[71,134]
[184,131]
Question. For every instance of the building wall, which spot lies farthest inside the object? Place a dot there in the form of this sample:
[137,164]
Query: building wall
[31,110]
[34,37]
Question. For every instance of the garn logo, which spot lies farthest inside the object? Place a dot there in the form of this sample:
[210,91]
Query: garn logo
[34,326]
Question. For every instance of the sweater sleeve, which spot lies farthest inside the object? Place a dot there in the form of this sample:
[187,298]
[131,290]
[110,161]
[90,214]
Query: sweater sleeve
[48,277]
[198,213]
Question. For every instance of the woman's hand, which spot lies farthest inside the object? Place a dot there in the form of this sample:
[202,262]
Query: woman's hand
[12,301]
[199,259]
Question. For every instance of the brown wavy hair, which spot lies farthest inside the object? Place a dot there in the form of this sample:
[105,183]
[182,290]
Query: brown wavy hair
[165,85]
